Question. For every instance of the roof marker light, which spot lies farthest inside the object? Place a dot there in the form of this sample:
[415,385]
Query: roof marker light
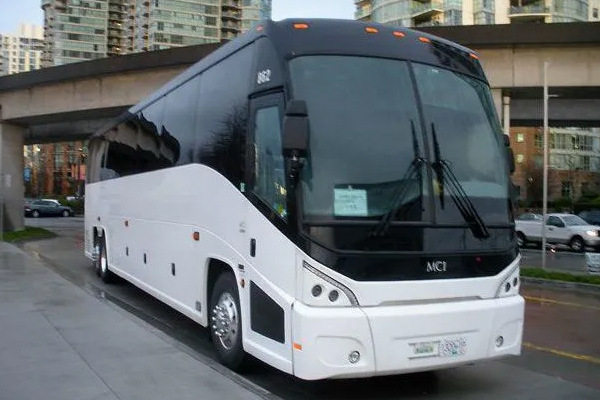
[424,39]
[399,34]
[474,56]
[370,29]
[300,26]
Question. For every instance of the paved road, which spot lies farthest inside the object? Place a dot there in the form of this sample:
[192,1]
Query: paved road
[561,354]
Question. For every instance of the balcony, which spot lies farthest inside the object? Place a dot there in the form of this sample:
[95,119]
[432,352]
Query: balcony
[230,5]
[363,13]
[428,23]
[535,12]
[230,27]
[425,11]
[231,15]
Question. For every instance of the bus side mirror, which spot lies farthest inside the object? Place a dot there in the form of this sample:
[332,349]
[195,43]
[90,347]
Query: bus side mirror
[509,154]
[295,130]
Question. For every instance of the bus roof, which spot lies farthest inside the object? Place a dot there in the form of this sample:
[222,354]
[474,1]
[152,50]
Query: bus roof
[295,37]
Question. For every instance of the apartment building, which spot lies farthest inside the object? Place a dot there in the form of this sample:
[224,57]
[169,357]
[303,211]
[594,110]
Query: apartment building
[573,161]
[22,50]
[420,13]
[78,30]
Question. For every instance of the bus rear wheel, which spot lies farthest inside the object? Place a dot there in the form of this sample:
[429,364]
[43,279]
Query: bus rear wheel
[225,322]
[102,263]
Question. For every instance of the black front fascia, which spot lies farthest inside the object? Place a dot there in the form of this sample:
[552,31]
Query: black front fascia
[412,253]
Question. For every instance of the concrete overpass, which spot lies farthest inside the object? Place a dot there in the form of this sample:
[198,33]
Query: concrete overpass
[71,101]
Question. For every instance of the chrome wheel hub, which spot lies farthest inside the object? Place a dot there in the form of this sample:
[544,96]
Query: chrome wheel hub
[225,321]
[103,262]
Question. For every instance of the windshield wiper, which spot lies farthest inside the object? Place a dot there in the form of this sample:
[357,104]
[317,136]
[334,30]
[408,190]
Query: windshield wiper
[457,192]
[413,168]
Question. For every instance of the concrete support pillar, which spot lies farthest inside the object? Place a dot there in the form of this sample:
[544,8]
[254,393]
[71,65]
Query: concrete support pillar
[497,95]
[11,176]
[506,114]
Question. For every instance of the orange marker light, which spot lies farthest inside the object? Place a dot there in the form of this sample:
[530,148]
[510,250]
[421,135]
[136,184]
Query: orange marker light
[399,34]
[424,39]
[300,26]
[297,346]
[370,29]
[474,56]
[196,236]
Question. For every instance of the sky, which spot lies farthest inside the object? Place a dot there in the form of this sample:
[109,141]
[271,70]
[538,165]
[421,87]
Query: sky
[13,12]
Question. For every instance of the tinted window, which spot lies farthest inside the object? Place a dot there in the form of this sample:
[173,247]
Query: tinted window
[270,176]
[179,122]
[357,107]
[222,115]
[460,111]
[555,221]
[137,145]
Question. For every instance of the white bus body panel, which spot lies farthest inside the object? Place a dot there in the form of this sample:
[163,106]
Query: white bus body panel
[164,208]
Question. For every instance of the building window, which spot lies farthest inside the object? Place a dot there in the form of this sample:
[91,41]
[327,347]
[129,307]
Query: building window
[539,141]
[520,158]
[520,137]
[566,189]
[595,13]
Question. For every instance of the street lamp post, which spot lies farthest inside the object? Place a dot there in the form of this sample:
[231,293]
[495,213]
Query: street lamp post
[545,179]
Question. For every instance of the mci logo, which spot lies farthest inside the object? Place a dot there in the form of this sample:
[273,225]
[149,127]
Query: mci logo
[436,266]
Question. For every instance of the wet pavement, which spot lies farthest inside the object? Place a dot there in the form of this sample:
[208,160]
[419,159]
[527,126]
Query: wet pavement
[561,352]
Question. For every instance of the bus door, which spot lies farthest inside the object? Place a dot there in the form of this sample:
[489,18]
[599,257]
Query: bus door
[272,255]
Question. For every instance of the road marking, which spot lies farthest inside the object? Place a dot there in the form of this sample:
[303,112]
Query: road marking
[561,303]
[579,357]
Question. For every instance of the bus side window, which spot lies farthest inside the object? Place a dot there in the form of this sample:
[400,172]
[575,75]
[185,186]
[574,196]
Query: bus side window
[269,182]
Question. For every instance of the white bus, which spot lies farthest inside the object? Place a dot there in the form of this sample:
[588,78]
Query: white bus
[331,197]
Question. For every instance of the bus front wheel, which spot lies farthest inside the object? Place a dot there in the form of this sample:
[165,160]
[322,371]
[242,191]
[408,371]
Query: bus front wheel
[225,322]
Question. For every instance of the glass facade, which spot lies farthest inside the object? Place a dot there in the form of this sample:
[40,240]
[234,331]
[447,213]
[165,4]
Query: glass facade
[78,30]
[418,13]
[22,51]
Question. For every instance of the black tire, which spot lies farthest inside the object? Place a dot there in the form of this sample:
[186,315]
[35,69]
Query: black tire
[102,264]
[577,244]
[35,214]
[521,239]
[230,349]
[66,213]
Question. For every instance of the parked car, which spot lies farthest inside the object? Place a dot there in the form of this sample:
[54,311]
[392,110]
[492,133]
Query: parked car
[529,217]
[52,200]
[591,217]
[38,208]
[566,229]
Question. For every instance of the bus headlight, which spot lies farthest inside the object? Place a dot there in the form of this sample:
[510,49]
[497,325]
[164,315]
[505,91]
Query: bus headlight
[321,290]
[510,285]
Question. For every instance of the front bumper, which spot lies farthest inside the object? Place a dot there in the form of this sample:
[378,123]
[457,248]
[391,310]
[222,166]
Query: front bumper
[403,338]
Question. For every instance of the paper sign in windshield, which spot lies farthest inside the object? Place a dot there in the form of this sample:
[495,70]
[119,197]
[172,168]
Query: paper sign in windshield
[350,203]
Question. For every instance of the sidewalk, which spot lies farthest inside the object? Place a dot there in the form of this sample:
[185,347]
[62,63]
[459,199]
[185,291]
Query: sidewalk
[59,342]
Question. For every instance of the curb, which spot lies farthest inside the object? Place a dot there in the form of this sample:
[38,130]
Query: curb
[582,287]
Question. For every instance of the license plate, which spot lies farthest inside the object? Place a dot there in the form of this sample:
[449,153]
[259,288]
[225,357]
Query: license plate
[454,347]
[424,349]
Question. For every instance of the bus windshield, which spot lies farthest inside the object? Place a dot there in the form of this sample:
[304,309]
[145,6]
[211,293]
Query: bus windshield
[366,120]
